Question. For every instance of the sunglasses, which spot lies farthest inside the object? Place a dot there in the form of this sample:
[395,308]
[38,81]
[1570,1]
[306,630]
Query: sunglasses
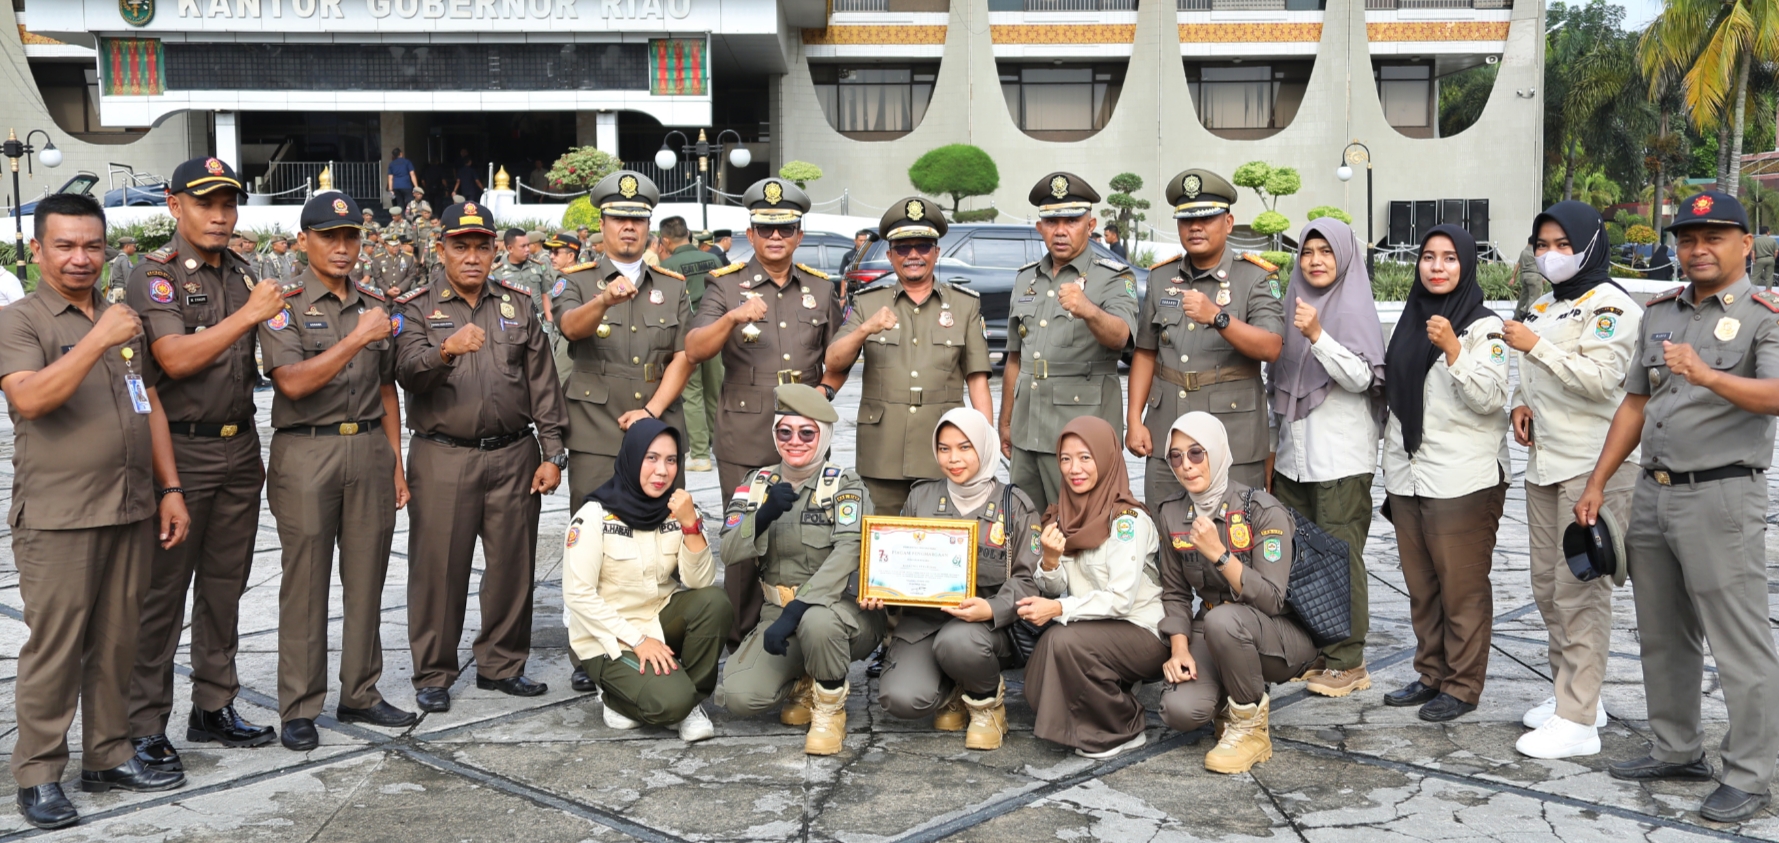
[783,232]
[1196,454]
[808,435]
[921,247]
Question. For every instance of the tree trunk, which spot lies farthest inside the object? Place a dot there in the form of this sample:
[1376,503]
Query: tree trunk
[1723,153]
[1661,179]
[1734,170]
[1569,171]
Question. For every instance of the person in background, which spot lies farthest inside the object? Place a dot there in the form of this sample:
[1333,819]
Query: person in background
[540,175]
[704,387]
[1529,283]
[467,186]
[724,240]
[861,240]
[400,179]
[1115,242]
[1765,245]
[123,265]
[1445,471]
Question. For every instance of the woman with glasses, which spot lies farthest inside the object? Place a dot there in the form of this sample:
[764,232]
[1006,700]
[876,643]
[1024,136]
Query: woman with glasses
[1445,471]
[1229,545]
[1099,603]
[646,621]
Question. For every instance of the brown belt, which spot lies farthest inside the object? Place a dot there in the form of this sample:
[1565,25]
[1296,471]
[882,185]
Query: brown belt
[645,372]
[763,377]
[1193,381]
[914,396]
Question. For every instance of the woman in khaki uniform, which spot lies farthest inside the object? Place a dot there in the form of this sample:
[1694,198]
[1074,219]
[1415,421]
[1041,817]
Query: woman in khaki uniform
[1229,544]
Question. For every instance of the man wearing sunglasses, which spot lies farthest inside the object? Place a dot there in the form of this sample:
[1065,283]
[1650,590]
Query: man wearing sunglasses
[1072,315]
[924,348]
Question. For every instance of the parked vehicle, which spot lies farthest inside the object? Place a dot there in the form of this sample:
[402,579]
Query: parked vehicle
[82,184]
[819,250]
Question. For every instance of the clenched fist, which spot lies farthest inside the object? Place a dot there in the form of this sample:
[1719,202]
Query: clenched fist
[467,340]
[1073,298]
[883,320]
[117,325]
[265,302]
[373,325]
[751,310]
[619,291]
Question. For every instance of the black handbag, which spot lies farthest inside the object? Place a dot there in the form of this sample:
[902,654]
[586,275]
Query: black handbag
[1025,633]
[1320,592]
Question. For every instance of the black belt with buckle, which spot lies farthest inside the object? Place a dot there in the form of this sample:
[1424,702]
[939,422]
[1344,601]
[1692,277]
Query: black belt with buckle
[1676,478]
[492,443]
[350,428]
[207,429]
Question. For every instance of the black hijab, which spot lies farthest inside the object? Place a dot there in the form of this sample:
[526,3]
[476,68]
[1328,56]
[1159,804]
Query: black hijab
[1587,236]
[623,495]
[1411,355]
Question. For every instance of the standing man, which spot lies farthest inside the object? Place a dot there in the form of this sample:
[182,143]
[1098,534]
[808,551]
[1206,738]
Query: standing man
[280,264]
[335,478]
[414,206]
[1071,317]
[1530,282]
[926,350]
[1765,244]
[1115,242]
[469,180]
[121,268]
[519,271]
[1206,328]
[398,226]
[476,366]
[626,325]
[1700,397]
[401,177]
[706,381]
[724,239]
[370,222]
[91,449]
[860,240]
[393,272]
[200,303]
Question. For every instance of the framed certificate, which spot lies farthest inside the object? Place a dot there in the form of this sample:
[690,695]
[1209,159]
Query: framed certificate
[918,561]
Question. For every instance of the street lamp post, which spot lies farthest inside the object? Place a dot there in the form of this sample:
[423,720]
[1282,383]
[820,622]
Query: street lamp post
[16,149]
[1355,154]
[703,150]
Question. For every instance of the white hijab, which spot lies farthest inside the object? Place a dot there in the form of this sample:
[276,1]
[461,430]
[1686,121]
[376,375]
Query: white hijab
[1209,433]
[971,494]
[797,476]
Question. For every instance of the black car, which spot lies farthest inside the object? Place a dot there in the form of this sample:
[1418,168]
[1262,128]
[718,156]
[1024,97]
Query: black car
[987,257]
[819,250]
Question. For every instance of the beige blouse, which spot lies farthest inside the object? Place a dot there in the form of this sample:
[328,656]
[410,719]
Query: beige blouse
[1117,580]
[616,581]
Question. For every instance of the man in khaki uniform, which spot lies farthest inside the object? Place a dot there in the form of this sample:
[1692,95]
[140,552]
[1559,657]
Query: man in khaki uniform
[706,381]
[517,268]
[476,366]
[393,272]
[417,206]
[626,325]
[1070,319]
[1765,246]
[924,345]
[278,264]
[335,477]
[1206,328]
[121,268]
[398,225]
[200,303]
[90,448]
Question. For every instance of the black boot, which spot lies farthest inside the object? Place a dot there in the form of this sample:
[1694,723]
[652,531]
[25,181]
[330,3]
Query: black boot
[514,686]
[132,775]
[225,727]
[158,753]
[46,806]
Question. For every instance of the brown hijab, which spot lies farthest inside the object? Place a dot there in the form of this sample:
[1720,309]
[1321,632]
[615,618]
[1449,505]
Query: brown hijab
[1086,517]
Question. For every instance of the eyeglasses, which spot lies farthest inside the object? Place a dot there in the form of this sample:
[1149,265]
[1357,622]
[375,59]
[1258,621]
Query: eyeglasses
[1196,454]
[808,435]
[918,247]
[783,232]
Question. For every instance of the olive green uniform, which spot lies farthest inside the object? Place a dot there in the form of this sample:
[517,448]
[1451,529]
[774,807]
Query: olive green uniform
[1531,283]
[1764,247]
[394,271]
[706,383]
[525,274]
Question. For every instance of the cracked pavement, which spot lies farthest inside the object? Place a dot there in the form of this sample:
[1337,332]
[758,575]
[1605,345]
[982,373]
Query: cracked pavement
[547,768]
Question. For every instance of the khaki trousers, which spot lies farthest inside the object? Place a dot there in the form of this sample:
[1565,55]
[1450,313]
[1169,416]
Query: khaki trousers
[1037,475]
[587,472]
[695,624]
[828,640]
[703,391]
[82,591]
[1239,650]
[918,675]
[1578,615]
[1080,677]
[222,480]
[1447,547]
[461,494]
[887,496]
[1343,508]
[327,491]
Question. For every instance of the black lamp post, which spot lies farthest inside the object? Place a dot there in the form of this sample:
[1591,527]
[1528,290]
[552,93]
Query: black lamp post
[16,149]
[703,150]
[1355,154]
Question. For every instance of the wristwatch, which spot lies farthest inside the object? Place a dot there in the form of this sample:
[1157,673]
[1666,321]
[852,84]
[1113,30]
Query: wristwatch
[1223,560]
[560,461]
[1221,320]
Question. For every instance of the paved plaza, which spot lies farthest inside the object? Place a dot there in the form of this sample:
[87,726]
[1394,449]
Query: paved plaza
[498,768]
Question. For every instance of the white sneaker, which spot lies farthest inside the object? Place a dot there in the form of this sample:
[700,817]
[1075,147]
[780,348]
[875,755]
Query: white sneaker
[1548,709]
[1114,752]
[1559,738]
[696,726]
[614,720]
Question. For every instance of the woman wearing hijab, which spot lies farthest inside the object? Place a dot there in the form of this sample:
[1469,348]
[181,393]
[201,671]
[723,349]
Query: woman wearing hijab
[1099,604]
[1575,346]
[644,619]
[947,662]
[1328,399]
[1229,545]
[1445,470]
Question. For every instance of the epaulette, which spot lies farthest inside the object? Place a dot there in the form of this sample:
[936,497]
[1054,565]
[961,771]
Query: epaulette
[963,288]
[1497,336]
[727,269]
[887,282]
[411,295]
[1159,264]
[371,291]
[1671,294]
[1767,300]
[291,289]
[667,272]
[1128,511]
[1259,261]
[1112,264]
[580,266]
[164,254]
[1027,266]
[1612,310]
[512,285]
[813,271]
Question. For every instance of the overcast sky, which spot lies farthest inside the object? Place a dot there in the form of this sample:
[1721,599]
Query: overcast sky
[1638,13]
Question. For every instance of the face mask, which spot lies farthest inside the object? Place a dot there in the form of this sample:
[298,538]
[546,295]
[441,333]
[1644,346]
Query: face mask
[1559,267]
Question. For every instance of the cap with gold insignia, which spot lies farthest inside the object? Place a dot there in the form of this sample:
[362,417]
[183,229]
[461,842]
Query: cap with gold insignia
[1063,195]
[801,399]
[626,193]
[702,237]
[126,240]
[202,176]
[466,218]
[328,211]
[1713,207]
[1199,193]
[912,217]
[775,202]
[563,241]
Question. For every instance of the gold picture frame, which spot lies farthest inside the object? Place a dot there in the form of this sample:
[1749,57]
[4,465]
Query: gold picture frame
[912,567]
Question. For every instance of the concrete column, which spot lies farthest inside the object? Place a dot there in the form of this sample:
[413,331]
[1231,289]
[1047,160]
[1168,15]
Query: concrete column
[393,132]
[607,132]
[228,138]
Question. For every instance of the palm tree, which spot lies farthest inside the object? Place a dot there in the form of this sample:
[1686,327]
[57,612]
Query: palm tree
[1712,45]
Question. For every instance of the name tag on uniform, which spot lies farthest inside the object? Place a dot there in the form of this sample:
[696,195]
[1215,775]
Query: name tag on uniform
[1170,302]
[315,325]
[1661,336]
[442,324]
[67,348]
[1026,299]
[138,393]
[817,517]
[508,323]
[197,299]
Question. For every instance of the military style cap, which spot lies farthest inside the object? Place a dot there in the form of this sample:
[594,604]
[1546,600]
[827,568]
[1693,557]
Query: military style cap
[279,238]
[423,206]
[395,210]
[1597,551]
[563,241]
[702,237]
[328,211]
[801,399]
[201,176]
[419,191]
[406,238]
[1063,195]
[466,218]
[775,201]
[596,238]
[244,235]
[1199,193]
[721,233]
[626,193]
[1713,207]
[126,241]
[367,212]
[910,218]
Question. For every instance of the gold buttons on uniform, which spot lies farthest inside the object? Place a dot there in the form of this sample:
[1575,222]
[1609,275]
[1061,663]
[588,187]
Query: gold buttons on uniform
[781,324]
[1182,394]
[914,374]
[913,409]
[636,359]
[917,310]
[787,357]
[1036,355]
[1050,293]
[632,329]
[917,340]
[1043,323]
[744,403]
[1232,405]
[1185,357]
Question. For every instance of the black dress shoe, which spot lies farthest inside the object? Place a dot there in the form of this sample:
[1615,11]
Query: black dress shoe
[1648,769]
[382,714]
[1445,707]
[580,681]
[514,686]
[875,668]
[1729,805]
[433,699]
[225,727]
[299,735]
[1414,693]
[132,775]
[46,806]
[158,753]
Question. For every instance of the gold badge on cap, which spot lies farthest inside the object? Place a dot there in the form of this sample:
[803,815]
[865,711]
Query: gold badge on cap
[213,166]
[916,210]
[1059,186]
[469,208]
[1727,328]
[1191,185]
[340,207]
[627,187]
[774,192]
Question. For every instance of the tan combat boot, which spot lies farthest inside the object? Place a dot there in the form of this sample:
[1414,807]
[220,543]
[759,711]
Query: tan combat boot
[1339,683]
[797,705]
[988,720]
[827,724]
[951,716]
[1220,720]
[1245,740]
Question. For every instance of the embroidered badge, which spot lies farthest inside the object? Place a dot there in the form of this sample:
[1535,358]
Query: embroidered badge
[1130,287]
[160,290]
[733,521]
[1241,535]
[997,534]
[1037,547]
[1702,206]
[1727,328]
[1497,352]
[561,284]
[574,535]
[279,322]
[192,286]
[1271,532]
[1272,549]
[1272,286]
[846,510]
[1126,527]
[1604,326]
[395,325]
[1181,541]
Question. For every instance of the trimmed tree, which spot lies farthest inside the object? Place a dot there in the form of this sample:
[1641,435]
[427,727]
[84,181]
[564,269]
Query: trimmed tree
[956,170]
[1126,210]
[800,173]
[582,167]
[1269,183]
[1321,211]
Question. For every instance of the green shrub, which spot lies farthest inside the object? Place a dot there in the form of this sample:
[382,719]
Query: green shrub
[800,172]
[151,233]
[957,170]
[581,212]
[1391,280]
[580,168]
[1640,233]
[1143,258]
[1268,223]
[978,215]
[1282,260]
[1321,211]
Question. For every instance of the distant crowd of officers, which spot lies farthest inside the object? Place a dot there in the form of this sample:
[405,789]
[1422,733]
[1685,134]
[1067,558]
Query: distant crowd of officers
[1255,399]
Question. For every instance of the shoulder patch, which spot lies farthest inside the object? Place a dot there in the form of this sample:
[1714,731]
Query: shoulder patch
[1032,265]
[292,289]
[371,291]
[1671,294]
[162,255]
[812,271]
[1497,336]
[961,288]
[1112,264]
[667,272]
[727,269]
[1161,263]
[1125,527]
[1767,300]
[1255,259]
[1618,312]
[513,285]
[580,266]
[411,295]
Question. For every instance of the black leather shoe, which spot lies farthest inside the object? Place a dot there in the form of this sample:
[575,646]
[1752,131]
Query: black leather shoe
[514,686]
[225,727]
[382,714]
[157,753]
[46,806]
[1729,805]
[1648,769]
[875,668]
[1445,707]
[581,682]
[132,775]
[1414,693]
[299,735]
[433,699]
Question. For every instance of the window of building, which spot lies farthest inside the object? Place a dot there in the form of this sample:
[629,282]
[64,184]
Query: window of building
[1406,92]
[876,101]
[1247,100]
[1060,102]
[71,93]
